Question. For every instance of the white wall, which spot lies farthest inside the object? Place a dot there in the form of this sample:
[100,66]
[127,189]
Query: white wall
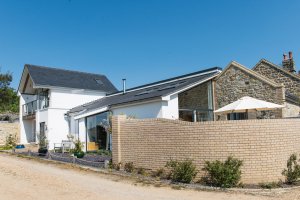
[82,131]
[170,108]
[26,127]
[141,111]
[61,100]
[60,103]
[57,126]
[160,109]
[68,99]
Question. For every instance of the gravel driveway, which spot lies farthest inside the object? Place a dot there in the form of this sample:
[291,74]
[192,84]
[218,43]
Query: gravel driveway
[29,179]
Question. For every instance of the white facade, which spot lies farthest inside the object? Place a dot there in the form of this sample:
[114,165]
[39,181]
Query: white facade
[56,124]
[152,109]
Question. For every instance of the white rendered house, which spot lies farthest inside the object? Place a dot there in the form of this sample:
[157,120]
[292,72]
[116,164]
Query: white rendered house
[188,97]
[47,94]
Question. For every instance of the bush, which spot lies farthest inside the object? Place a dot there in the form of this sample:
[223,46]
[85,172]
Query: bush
[141,171]
[292,173]
[77,146]
[129,167]
[183,172]
[270,185]
[223,174]
[115,166]
[103,152]
[161,173]
[80,154]
[11,141]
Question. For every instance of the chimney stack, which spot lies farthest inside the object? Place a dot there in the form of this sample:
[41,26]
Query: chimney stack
[289,64]
[284,56]
[124,85]
[290,55]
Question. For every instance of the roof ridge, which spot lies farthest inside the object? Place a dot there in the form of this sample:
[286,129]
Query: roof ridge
[277,66]
[169,79]
[250,71]
[68,70]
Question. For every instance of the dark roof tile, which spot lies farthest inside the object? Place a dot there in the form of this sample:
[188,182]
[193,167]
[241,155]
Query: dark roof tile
[149,91]
[46,76]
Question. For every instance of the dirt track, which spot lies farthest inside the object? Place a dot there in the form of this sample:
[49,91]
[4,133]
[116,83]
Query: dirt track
[29,179]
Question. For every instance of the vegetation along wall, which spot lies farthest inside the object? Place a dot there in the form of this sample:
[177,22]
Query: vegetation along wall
[8,128]
[263,145]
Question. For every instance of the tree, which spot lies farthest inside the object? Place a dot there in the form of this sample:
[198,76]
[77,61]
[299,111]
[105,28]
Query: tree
[9,101]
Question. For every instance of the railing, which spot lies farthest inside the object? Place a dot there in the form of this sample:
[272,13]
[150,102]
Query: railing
[30,108]
[196,115]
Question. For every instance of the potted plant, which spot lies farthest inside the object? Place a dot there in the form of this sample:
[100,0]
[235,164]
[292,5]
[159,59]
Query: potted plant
[78,149]
[42,145]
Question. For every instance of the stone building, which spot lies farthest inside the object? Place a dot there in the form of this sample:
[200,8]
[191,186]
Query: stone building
[266,81]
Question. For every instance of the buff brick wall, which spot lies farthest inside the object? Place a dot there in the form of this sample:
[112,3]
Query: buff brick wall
[8,128]
[263,145]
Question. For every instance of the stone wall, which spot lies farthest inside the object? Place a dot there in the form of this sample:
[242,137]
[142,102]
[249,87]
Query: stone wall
[195,98]
[291,83]
[236,83]
[263,145]
[9,128]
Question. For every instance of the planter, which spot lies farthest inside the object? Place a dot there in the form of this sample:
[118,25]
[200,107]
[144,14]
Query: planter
[20,146]
[42,151]
[80,154]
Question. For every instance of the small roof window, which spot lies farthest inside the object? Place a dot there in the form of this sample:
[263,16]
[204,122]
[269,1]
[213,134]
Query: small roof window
[98,81]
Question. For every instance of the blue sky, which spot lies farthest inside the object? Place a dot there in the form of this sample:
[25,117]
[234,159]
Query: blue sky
[145,41]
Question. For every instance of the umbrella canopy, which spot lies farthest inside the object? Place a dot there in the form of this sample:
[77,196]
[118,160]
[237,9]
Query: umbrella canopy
[248,103]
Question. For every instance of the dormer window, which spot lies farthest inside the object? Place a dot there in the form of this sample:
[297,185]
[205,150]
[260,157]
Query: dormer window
[99,81]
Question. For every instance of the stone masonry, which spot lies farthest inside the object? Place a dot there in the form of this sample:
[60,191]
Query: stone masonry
[8,128]
[263,145]
[291,81]
[195,98]
[236,83]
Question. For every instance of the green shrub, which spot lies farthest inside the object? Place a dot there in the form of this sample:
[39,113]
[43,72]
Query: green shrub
[115,166]
[141,171]
[103,152]
[183,172]
[161,173]
[129,167]
[292,173]
[270,185]
[223,174]
[10,142]
[77,146]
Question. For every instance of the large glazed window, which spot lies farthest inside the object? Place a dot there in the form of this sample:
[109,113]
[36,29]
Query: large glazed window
[97,136]
[196,104]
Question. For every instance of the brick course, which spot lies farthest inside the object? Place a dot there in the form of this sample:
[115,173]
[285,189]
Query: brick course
[263,145]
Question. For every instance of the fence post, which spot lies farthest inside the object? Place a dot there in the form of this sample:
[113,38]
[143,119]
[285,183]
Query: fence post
[116,138]
[195,115]
[106,163]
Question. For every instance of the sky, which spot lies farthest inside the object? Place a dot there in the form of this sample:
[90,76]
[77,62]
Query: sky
[145,40]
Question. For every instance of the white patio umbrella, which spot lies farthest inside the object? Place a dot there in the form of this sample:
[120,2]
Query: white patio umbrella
[245,104]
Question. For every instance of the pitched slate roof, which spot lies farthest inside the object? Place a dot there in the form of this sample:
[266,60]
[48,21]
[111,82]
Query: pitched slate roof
[47,76]
[277,67]
[150,91]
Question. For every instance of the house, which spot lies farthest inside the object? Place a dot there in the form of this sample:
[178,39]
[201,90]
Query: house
[46,94]
[56,102]
[266,81]
[188,97]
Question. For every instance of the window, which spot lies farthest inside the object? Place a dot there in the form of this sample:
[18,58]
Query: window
[99,81]
[236,116]
[97,137]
